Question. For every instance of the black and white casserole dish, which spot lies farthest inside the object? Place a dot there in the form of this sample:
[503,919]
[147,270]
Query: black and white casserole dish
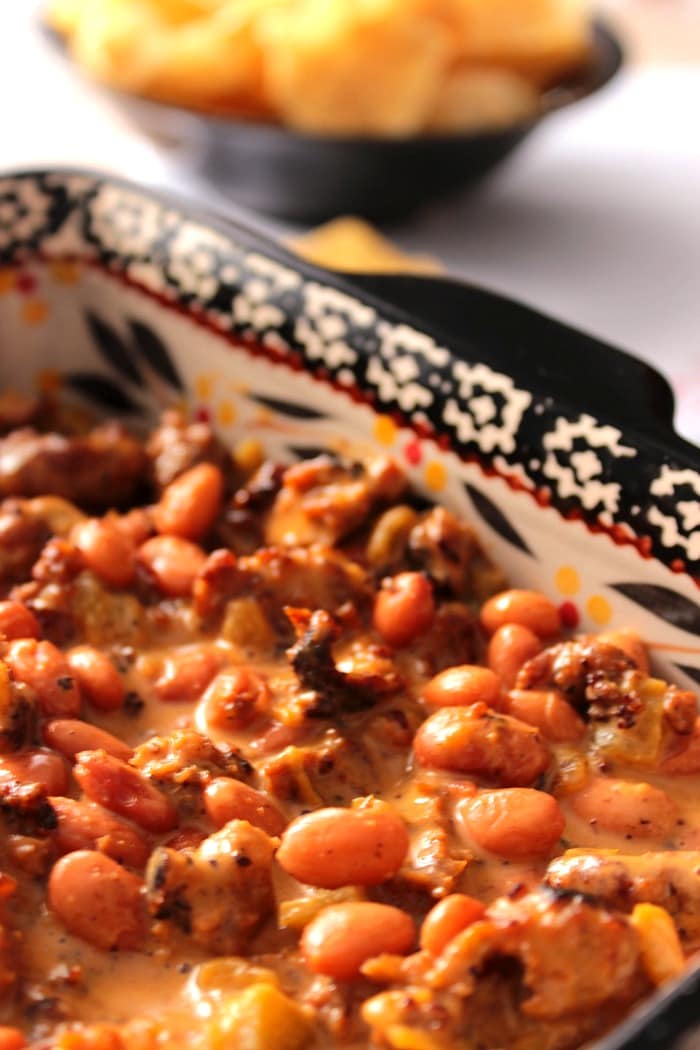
[558,449]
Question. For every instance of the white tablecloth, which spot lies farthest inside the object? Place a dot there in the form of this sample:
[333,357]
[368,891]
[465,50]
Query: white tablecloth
[595,220]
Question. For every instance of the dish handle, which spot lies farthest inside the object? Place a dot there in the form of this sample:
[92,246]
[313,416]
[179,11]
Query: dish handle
[568,365]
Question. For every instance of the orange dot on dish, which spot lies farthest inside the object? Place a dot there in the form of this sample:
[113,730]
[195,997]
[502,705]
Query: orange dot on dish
[226,414]
[567,580]
[65,272]
[203,386]
[7,281]
[385,430]
[435,476]
[599,609]
[49,381]
[34,311]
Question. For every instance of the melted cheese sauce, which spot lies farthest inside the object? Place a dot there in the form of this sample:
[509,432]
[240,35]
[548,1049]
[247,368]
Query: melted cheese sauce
[95,986]
[67,981]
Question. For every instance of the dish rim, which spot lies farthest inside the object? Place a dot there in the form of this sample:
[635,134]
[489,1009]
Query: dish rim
[244,240]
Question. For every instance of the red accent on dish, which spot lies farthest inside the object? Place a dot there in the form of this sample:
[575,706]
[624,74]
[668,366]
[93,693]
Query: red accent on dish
[569,616]
[26,283]
[413,452]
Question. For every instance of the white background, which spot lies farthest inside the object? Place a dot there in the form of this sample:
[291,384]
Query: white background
[595,220]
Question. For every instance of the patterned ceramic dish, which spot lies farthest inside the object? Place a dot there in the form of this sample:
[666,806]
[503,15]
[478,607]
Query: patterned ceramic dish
[310,178]
[560,450]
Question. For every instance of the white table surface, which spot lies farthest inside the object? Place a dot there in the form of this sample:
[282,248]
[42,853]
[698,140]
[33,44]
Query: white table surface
[595,220]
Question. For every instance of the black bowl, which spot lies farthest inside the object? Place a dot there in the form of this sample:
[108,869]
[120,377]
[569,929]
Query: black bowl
[305,178]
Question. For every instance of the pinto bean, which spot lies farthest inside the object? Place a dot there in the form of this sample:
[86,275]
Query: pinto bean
[17,621]
[625,807]
[36,767]
[186,839]
[234,699]
[84,825]
[121,789]
[227,799]
[69,736]
[97,900]
[99,681]
[686,761]
[136,525]
[186,674]
[549,711]
[107,551]
[344,936]
[528,608]
[511,646]
[190,505]
[512,822]
[463,685]
[11,1038]
[446,919]
[344,847]
[276,738]
[404,608]
[478,741]
[173,563]
[45,668]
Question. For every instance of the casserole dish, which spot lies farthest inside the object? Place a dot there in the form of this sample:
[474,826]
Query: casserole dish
[127,302]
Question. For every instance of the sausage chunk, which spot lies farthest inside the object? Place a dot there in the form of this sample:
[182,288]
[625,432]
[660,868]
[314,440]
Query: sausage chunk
[100,470]
[540,930]
[324,499]
[22,537]
[176,446]
[670,879]
[218,894]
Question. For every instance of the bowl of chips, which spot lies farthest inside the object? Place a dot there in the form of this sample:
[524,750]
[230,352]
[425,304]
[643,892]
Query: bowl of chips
[304,109]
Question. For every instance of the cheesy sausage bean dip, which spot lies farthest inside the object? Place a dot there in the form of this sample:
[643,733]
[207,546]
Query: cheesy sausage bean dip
[286,765]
